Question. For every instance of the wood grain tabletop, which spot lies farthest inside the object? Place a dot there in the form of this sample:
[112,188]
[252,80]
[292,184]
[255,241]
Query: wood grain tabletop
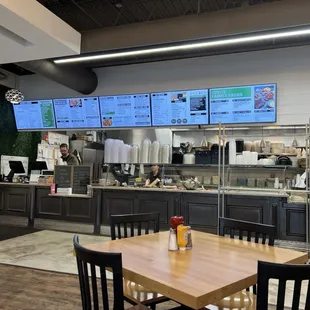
[216,267]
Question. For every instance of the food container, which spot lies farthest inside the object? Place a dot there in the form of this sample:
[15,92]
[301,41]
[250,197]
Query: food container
[182,237]
[261,183]
[270,182]
[189,159]
[154,153]
[214,180]
[251,182]
[145,151]
[175,221]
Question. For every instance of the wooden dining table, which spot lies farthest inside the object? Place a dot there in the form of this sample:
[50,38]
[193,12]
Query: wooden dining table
[214,268]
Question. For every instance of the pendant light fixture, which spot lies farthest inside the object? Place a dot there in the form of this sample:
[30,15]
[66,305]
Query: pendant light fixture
[14,96]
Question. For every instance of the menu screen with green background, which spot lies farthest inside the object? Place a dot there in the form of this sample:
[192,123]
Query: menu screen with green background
[243,104]
[31,115]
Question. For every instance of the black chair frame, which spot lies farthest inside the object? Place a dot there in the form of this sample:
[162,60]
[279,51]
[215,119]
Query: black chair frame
[132,222]
[238,228]
[283,273]
[113,261]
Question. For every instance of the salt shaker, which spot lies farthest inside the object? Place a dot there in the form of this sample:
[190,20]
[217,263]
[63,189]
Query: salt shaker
[173,246]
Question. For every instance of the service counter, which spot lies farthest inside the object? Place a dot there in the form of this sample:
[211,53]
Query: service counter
[199,208]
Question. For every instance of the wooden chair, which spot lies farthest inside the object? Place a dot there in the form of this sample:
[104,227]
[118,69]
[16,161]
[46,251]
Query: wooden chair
[259,233]
[86,258]
[283,273]
[134,222]
[129,225]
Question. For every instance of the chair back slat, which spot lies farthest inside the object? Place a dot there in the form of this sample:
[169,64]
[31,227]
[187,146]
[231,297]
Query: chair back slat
[296,295]
[256,237]
[105,294]
[139,228]
[307,305]
[132,229]
[125,230]
[132,222]
[86,258]
[147,228]
[86,283]
[249,236]
[281,294]
[248,228]
[94,286]
[283,273]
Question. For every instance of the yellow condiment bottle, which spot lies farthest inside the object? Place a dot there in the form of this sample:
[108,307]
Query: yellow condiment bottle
[182,237]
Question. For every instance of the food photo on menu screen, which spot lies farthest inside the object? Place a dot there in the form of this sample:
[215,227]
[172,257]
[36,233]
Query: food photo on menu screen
[37,114]
[125,111]
[77,112]
[180,108]
[243,104]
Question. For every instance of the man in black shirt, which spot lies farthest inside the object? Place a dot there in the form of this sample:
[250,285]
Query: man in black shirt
[154,177]
[70,159]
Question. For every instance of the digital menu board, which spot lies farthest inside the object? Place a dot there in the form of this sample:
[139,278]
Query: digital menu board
[243,104]
[32,115]
[77,112]
[125,111]
[177,108]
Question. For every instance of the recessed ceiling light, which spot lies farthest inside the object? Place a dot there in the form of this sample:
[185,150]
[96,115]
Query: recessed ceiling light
[189,46]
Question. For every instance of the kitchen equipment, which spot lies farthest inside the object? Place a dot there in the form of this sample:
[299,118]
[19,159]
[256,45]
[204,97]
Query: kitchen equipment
[284,161]
[270,182]
[189,159]
[251,182]
[276,183]
[262,142]
[190,184]
[248,146]
[261,183]
[239,145]
[266,150]
[294,160]
[247,157]
[302,163]
[203,157]
[254,158]
[257,147]
[242,182]
[277,147]
[214,180]
[239,160]
[177,158]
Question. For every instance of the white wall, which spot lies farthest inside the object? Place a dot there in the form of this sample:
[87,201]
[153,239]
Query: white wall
[289,68]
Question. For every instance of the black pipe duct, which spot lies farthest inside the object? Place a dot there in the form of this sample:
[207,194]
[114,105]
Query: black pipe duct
[82,80]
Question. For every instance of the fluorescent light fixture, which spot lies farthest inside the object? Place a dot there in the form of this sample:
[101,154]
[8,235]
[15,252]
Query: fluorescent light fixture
[189,46]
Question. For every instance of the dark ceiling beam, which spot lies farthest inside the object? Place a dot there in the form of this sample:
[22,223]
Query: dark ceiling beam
[87,14]
[190,5]
[276,15]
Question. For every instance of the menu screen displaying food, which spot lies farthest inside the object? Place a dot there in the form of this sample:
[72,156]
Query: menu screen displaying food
[125,111]
[30,115]
[243,104]
[77,113]
[180,108]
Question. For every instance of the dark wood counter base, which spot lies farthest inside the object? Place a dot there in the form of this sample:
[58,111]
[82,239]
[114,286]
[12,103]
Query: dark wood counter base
[200,209]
